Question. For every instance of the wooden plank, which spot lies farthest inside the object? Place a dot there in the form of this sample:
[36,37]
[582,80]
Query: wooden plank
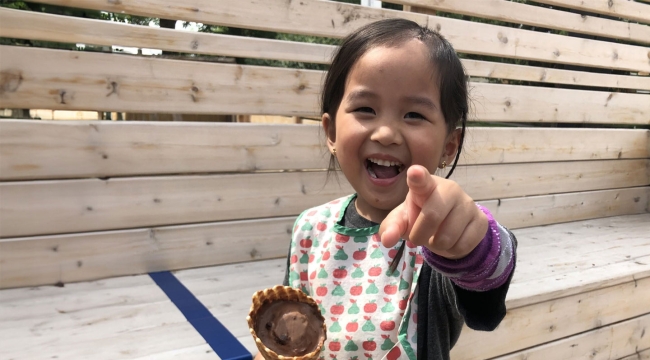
[527,14]
[577,273]
[616,8]
[640,354]
[47,27]
[118,203]
[40,26]
[324,18]
[123,318]
[89,256]
[488,69]
[609,342]
[559,208]
[64,206]
[553,320]
[37,78]
[73,149]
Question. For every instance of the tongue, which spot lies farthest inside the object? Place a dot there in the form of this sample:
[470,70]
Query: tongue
[383,172]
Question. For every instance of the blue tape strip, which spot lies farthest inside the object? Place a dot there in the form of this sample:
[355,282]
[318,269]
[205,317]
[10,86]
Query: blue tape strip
[224,344]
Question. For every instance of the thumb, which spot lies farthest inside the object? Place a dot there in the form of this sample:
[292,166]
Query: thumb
[394,226]
[421,184]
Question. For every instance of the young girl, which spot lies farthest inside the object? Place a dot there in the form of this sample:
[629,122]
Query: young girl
[397,267]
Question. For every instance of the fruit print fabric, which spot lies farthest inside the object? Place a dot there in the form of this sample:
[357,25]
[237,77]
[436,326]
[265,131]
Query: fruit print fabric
[368,311]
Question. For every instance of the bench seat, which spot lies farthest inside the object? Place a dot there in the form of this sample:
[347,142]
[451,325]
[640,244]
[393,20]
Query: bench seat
[577,290]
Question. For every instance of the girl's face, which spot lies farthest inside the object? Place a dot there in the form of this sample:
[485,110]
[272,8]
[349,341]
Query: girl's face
[389,119]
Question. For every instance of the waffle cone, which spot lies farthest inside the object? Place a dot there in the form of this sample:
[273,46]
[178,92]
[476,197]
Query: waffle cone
[281,293]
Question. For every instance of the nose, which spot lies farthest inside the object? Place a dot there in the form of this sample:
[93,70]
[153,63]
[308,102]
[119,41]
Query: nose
[387,133]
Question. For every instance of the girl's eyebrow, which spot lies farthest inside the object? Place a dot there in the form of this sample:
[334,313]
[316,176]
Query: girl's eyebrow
[361,94]
[421,100]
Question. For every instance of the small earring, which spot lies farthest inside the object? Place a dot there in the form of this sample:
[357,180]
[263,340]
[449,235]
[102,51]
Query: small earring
[444,165]
[334,152]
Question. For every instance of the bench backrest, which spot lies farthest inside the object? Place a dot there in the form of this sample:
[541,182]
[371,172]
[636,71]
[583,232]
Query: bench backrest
[92,199]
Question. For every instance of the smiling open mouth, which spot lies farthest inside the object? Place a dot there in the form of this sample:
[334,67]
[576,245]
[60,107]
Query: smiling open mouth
[383,169]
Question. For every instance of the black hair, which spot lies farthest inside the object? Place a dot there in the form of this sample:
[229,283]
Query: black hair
[450,75]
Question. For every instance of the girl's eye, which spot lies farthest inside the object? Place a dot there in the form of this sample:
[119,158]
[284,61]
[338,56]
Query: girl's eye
[365,109]
[414,115]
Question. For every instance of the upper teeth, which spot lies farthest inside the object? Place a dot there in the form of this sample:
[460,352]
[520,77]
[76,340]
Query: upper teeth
[385,162]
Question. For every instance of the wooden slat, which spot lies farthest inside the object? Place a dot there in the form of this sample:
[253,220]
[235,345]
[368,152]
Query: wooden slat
[640,354]
[518,13]
[125,318]
[616,8]
[67,258]
[609,342]
[72,149]
[553,320]
[38,78]
[64,206]
[47,27]
[489,69]
[71,258]
[553,209]
[324,18]
[40,26]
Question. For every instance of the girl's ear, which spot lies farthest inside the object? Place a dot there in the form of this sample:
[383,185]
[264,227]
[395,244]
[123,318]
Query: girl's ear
[330,131]
[451,146]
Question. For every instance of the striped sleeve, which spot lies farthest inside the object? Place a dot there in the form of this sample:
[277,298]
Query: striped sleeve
[487,267]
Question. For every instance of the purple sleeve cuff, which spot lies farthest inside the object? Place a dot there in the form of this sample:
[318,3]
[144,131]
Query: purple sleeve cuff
[486,267]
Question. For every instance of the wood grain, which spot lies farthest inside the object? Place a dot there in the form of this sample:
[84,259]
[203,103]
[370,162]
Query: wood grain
[48,27]
[90,256]
[39,78]
[73,149]
[616,8]
[549,18]
[324,18]
[553,320]
[64,206]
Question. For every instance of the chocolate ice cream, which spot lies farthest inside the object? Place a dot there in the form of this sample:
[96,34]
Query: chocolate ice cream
[290,328]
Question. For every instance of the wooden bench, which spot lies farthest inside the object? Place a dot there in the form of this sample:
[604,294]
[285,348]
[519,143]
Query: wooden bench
[84,204]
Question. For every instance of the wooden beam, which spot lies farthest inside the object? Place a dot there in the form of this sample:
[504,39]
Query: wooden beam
[527,14]
[47,27]
[559,208]
[41,260]
[553,320]
[64,206]
[487,69]
[325,18]
[610,342]
[42,78]
[74,149]
[617,8]
[87,256]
